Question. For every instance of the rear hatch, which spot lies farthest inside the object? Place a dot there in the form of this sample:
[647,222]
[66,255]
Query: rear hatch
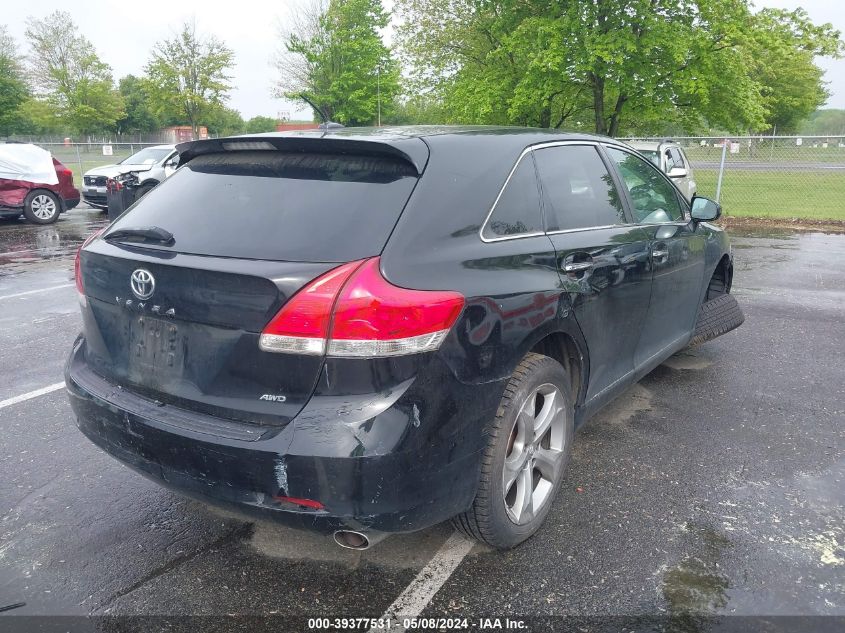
[249,229]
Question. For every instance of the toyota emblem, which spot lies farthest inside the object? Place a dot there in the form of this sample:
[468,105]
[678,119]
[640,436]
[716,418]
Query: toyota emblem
[143,283]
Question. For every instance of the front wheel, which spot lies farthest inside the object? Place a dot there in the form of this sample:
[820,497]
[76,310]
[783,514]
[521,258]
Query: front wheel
[42,207]
[528,449]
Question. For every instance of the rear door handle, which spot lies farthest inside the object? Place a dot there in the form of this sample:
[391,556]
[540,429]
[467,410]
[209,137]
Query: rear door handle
[576,267]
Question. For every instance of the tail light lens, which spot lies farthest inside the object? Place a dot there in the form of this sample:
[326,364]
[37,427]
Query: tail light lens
[77,263]
[353,311]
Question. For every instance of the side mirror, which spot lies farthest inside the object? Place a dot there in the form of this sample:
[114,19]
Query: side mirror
[705,209]
[678,172]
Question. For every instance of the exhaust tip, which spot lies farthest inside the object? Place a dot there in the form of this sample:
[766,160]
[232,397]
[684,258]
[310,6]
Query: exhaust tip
[351,540]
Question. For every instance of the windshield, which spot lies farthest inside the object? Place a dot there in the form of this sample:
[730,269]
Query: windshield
[652,154]
[147,156]
[278,206]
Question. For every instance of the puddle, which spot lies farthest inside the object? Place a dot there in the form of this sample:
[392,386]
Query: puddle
[696,589]
[22,243]
[623,409]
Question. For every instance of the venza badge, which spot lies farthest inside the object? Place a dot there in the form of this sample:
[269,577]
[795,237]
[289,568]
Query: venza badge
[143,283]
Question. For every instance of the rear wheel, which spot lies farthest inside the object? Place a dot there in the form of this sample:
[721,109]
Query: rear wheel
[528,449]
[42,207]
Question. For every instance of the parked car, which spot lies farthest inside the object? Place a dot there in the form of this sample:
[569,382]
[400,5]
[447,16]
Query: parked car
[157,163]
[34,184]
[670,157]
[373,331]
[122,191]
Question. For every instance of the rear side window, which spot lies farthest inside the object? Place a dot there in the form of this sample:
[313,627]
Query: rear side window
[279,206]
[578,191]
[517,211]
[677,158]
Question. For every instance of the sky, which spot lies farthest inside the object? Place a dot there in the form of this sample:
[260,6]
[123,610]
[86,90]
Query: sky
[124,33]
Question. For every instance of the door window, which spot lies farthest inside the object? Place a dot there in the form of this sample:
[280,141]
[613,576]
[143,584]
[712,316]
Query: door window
[517,211]
[655,199]
[578,191]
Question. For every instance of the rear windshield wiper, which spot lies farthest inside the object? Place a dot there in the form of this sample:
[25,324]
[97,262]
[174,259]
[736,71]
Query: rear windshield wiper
[153,234]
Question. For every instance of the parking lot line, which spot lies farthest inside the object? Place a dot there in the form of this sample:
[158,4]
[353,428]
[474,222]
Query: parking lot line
[32,292]
[31,394]
[431,578]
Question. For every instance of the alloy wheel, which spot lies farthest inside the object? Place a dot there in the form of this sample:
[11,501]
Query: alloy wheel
[43,207]
[535,453]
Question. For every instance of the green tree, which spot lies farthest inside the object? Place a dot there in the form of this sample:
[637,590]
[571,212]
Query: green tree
[189,77]
[259,124]
[335,56]
[618,63]
[39,117]
[66,70]
[823,122]
[223,121]
[785,44]
[140,116]
[13,86]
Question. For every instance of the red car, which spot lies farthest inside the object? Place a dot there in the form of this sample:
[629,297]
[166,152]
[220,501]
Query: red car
[38,202]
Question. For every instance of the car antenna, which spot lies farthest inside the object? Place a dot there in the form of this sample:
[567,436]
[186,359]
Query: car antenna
[326,125]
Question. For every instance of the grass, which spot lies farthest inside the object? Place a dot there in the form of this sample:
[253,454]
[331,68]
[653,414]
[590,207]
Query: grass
[782,152]
[768,194]
[84,161]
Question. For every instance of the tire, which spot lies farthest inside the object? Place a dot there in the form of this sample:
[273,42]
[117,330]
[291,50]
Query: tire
[716,317]
[498,517]
[42,207]
[144,189]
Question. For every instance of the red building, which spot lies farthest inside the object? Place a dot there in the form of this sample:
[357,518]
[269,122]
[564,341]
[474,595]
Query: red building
[182,133]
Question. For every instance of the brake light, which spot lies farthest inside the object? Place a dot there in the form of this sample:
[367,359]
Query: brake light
[302,325]
[77,263]
[353,311]
[305,503]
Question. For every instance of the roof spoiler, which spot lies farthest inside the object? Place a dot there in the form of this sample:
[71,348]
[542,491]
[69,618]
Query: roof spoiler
[409,150]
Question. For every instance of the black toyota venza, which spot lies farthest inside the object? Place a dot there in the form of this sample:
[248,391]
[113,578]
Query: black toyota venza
[373,331]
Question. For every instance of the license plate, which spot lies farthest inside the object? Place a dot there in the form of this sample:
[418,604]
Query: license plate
[157,350]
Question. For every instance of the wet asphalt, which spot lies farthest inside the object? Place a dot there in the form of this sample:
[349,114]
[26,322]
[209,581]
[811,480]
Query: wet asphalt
[715,486]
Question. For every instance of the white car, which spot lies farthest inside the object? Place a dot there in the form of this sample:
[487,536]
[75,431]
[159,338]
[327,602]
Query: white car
[670,158]
[156,163]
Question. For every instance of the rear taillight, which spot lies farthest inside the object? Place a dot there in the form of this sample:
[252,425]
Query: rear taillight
[77,263]
[353,311]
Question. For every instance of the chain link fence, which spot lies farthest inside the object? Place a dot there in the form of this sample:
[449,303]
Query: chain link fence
[770,176]
[80,157]
[752,176]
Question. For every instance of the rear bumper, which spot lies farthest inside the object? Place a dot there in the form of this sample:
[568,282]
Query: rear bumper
[315,456]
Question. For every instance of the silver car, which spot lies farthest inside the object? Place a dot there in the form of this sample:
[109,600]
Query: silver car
[670,158]
[154,165]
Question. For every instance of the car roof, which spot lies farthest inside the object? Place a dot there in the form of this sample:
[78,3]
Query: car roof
[410,142]
[654,145]
[389,133]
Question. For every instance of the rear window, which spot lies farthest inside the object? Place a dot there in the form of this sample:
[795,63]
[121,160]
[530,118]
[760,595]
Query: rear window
[279,206]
